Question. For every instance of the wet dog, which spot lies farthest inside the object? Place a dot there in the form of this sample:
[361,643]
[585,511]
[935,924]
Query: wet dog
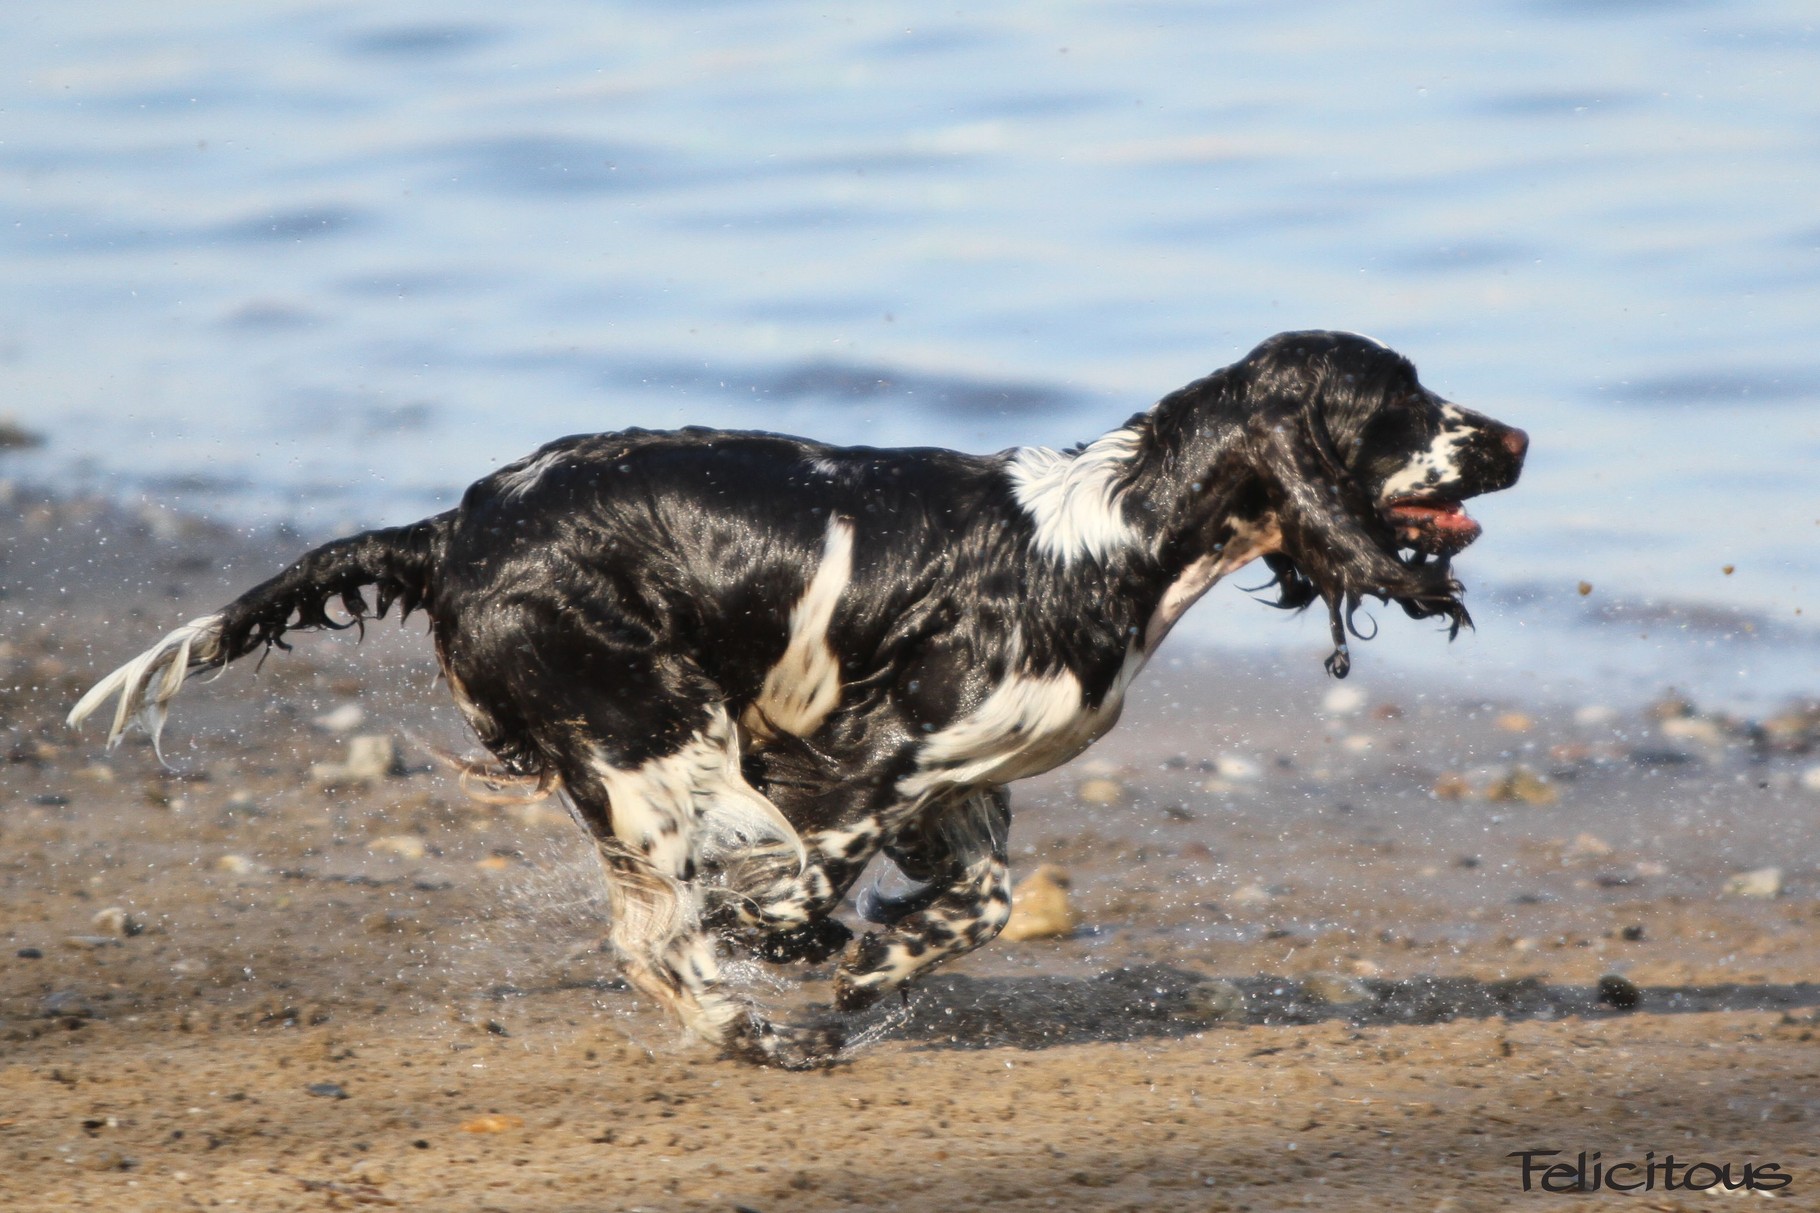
[753,663]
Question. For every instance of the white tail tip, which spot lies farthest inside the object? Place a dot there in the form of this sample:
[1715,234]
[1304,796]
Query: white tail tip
[149,681]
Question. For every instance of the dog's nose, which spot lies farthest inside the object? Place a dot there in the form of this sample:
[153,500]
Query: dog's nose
[1516,442]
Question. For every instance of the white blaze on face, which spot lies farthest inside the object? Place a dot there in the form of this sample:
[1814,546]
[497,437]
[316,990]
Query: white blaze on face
[804,685]
[1076,501]
[1436,466]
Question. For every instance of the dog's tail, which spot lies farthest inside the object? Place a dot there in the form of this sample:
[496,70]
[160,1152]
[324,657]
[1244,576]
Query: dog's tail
[400,562]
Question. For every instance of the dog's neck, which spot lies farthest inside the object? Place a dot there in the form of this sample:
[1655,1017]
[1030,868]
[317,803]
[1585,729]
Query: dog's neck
[1151,515]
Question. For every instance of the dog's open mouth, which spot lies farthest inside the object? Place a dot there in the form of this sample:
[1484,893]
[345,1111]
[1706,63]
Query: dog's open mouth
[1430,525]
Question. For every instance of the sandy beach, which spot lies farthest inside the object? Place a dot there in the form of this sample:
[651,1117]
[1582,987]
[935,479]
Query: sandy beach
[1339,949]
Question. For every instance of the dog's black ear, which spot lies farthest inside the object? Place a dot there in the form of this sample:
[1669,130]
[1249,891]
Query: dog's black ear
[1334,541]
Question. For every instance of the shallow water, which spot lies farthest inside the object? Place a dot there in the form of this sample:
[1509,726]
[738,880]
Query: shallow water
[327,263]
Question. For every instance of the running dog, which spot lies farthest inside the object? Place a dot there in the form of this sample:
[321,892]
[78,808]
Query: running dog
[752,663]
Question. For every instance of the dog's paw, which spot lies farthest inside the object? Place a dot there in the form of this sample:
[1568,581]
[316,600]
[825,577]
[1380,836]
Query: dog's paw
[813,943]
[850,997]
[788,1046]
[864,976]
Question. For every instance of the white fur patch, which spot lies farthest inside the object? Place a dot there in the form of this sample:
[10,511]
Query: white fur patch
[1026,726]
[194,645]
[804,685]
[693,803]
[1077,501]
[1437,466]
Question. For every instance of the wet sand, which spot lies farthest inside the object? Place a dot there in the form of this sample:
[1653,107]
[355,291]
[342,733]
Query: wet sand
[1346,954]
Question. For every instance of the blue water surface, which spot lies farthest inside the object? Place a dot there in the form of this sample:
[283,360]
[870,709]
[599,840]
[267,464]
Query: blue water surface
[326,263]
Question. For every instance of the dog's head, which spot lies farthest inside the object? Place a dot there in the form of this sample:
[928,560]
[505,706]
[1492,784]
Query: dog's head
[1367,472]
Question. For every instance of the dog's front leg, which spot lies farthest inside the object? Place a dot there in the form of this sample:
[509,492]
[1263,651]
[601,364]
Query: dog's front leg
[963,852]
[786,910]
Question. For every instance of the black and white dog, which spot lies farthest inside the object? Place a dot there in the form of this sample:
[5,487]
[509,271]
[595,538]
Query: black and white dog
[753,662]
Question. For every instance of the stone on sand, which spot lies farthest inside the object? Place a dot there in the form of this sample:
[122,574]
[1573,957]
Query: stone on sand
[405,846]
[116,923]
[1764,883]
[1343,701]
[1215,1001]
[344,719]
[1334,990]
[1103,791]
[1520,785]
[371,757]
[1040,908]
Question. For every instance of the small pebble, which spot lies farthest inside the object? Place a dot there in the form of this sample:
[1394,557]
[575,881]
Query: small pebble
[1698,729]
[1214,1001]
[1515,722]
[1237,769]
[1040,908]
[1810,779]
[1522,785]
[1451,786]
[1585,846]
[1103,792]
[117,923]
[344,719]
[238,865]
[327,1090]
[1253,894]
[1343,701]
[62,1004]
[406,846]
[29,954]
[1334,990]
[1796,729]
[493,1122]
[371,757]
[1594,715]
[1619,992]
[1764,883]
[1670,706]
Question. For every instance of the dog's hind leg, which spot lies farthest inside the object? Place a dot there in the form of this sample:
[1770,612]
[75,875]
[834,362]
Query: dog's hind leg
[653,821]
[961,853]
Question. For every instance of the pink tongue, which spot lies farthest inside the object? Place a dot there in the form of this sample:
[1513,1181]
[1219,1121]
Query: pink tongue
[1455,521]
[1443,519]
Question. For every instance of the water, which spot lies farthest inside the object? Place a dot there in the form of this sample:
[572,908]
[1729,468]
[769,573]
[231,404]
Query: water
[328,263]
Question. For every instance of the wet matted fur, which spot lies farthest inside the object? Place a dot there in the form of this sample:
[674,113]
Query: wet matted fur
[752,663]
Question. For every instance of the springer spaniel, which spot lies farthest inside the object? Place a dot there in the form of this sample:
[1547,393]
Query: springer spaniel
[752,663]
